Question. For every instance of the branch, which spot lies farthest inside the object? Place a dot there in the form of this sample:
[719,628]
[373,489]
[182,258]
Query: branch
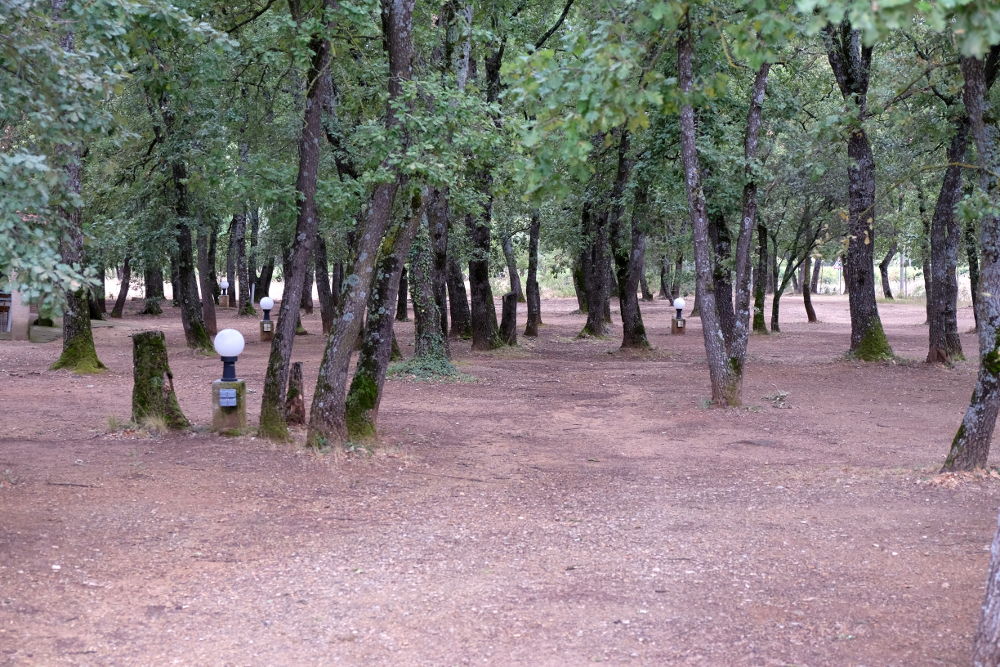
[559,22]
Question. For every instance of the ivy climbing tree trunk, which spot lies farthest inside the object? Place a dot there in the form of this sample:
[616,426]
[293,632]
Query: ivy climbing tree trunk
[272,409]
[971,446]
[430,340]
[850,61]
[327,419]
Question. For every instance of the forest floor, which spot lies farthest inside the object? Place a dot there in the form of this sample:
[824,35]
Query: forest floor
[573,504]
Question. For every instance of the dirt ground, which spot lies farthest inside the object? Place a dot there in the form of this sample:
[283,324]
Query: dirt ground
[575,504]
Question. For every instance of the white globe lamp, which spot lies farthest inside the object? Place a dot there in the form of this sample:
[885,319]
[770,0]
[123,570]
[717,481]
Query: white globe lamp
[266,304]
[229,344]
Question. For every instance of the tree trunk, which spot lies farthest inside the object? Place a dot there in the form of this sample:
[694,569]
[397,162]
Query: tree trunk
[307,288]
[883,268]
[365,394]
[438,221]
[262,287]
[175,283]
[986,645]
[327,298]
[272,409]
[796,287]
[402,314]
[119,307]
[675,286]
[722,278]
[153,397]
[153,282]
[515,278]
[244,301]
[850,61]
[231,272]
[508,320]
[533,293]
[596,270]
[647,295]
[664,292]
[724,391]
[295,402]
[195,331]
[971,447]
[207,285]
[944,343]
[760,284]
[814,281]
[775,309]
[430,340]
[458,302]
[485,331]
[580,284]
[328,417]
[807,289]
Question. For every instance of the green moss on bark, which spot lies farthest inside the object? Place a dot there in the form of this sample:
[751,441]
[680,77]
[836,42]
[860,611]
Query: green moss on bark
[874,346]
[79,356]
[272,424]
[360,402]
[153,397]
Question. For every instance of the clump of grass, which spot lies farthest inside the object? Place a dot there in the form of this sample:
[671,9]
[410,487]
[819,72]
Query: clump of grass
[427,369]
[778,399]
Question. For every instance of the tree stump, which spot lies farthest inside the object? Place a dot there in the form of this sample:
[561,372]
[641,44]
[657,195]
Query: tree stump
[508,320]
[295,404]
[153,384]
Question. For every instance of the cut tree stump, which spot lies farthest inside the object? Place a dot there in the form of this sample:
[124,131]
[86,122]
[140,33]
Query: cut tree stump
[508,320]
[153,395]
[295,404]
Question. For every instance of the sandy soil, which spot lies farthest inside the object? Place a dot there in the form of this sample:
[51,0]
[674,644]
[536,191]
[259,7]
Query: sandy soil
[575,504]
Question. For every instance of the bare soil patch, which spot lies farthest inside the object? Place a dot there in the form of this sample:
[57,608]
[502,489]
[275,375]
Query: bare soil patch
[574,504]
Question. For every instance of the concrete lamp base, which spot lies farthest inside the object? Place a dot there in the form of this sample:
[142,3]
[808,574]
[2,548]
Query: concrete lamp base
[266,331]
[677,326]
[229,407]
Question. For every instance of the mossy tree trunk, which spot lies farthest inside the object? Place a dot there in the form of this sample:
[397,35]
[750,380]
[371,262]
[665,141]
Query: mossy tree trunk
[153,396]
[760,281]
[153,282]
[295,403]
[438,221]
[430,340]
[971,446]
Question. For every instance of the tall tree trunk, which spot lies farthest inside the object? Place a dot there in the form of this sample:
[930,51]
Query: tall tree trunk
[850,61]
[723,390]
[153,284]
[675,286]
[512,274]
[986,645]
[629,260]
[485,330]
[718,233]
[458,302]
[664,292]
[430,340]
[814,281]
[195,331]
[244,302]
[262,287]
[580,283]
[307,288]
[327,420]
[883,269]
[365,394]
[231,271]
[119,307]
[760,284]
[807,289]
[534,296]
[595,269]
[438,220]
[945,345]
[272,409]
[327,300]
[644,290]
[253,217]
[78,352]
[971,447]
[402,290]
[206,284]
[972,257]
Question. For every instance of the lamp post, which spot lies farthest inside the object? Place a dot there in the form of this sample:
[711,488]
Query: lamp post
[677,323]
[229,410]
[224,293]
[266,324]
[224,286]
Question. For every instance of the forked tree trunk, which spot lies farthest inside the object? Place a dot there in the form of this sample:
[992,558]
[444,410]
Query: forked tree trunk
[458,302]
[119,307]
[971,446]
[533,293]
[153,397]
[272,409]
[327,419]
[850,61]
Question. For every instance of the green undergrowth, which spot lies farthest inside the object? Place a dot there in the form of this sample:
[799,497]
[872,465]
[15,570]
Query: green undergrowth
[427,369]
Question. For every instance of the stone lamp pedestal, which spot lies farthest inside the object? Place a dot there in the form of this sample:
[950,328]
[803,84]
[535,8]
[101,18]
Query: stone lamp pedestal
[229,406]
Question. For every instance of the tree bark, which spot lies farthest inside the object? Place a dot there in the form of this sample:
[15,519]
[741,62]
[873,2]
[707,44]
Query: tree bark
[119,307]
[402,313]
[664,292]
[760,282]
[231,272]
[580,284]
[814,281]
[986,645]
[153,395]
[508,320]
[596,268]
[807,289]
[430,340]
[438,221]
[458,302]
[327,298]
[327,419]
[244,301]
[272,409]
[485,331]
[295,402]
[195,331]
[533,293]
[207,285]
[724,392]
[883,269]
[971,446]
[153,282]
[850,61]
[675,286]
[512,274]
[644,290]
